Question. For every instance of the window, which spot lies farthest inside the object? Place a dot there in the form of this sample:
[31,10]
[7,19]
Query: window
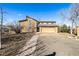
[49,23]
[44,23]
[40,23]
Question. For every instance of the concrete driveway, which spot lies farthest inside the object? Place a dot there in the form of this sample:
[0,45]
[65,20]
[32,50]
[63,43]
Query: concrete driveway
[61,43]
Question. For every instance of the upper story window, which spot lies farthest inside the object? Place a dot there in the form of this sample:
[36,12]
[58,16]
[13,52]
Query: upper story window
[40,23]
[49,23]
[44,23]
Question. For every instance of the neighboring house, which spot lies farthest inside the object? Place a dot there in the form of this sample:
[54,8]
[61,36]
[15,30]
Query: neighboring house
[78,31]
[6,30]
[32,25]
[11,31]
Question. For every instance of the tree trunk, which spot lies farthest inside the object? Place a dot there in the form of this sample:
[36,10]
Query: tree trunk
[76,27]
[1,25]
[71,31]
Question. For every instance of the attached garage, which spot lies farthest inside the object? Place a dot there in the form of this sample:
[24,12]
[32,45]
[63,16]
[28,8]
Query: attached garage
[48,26]
[49,29]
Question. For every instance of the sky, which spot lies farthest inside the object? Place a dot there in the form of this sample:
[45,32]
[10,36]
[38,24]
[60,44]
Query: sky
[14,12]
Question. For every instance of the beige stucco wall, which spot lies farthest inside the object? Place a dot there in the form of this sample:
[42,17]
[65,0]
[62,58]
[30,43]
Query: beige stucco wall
[49,29]
[28,25]
[33,25]
[77,31]
[24,25]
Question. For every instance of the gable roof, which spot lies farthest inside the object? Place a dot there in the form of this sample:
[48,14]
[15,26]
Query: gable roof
[31,18]
[27,19]
[23,20]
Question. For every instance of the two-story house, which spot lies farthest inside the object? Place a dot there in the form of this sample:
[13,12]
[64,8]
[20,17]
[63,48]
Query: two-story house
[32,25]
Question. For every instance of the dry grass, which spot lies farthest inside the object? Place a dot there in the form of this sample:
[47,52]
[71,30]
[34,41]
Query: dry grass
[78,37]
[12,43]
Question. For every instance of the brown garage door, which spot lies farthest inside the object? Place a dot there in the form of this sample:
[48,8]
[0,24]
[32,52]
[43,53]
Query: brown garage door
[49,29]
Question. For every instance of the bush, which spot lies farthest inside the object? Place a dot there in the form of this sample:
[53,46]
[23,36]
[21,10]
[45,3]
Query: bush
[15,28]
[64,28]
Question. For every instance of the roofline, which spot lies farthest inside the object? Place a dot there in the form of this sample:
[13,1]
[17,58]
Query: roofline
[37,20]
[23,20]
[27,19]
[31,18]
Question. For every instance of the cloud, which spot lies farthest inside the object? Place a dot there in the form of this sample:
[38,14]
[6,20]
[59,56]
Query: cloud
[19,14]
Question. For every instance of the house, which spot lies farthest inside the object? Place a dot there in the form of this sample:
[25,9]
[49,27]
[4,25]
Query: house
[28,25]
[32,25]
[78,31]
[11,31]
[4,29]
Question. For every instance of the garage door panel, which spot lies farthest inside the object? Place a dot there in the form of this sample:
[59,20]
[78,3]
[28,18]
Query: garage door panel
[48,29]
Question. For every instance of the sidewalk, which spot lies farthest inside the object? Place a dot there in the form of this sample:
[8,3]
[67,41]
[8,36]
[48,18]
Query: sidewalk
[29,46]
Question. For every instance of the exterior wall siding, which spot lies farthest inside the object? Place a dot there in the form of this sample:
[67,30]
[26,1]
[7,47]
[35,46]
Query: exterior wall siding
[77,31]
[24,26]
[33,25]
[28,26]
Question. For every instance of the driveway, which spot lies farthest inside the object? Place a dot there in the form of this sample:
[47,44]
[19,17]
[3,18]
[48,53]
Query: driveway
[61,43]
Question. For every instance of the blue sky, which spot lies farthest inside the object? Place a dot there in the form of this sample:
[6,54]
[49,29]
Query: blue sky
[39,11]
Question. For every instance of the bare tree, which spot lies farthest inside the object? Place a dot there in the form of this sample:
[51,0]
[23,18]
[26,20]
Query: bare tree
[15,27]
[1,25]
[73,16]
[2,12]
